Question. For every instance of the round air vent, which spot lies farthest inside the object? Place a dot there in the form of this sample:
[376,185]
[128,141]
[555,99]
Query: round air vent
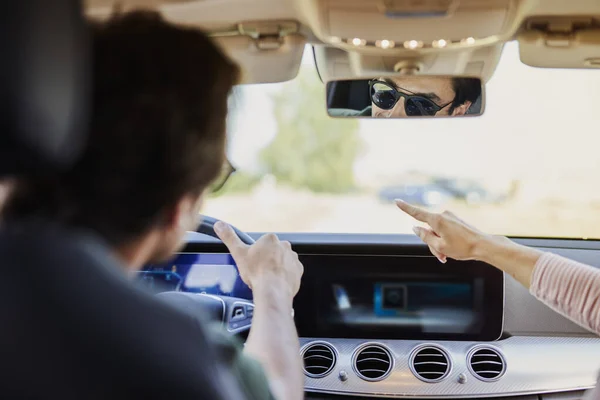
[319,359]
[486,363]
[430,364]
[372,362]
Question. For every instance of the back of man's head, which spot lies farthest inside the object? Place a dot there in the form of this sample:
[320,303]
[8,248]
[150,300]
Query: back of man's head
[157,133]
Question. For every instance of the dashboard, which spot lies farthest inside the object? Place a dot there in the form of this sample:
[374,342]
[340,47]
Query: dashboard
[380,320]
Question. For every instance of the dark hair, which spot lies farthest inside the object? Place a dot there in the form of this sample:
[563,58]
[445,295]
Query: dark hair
[466,89]
[157,132]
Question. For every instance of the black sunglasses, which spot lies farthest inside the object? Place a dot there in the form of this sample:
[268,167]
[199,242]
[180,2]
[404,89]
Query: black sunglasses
[226,171]
[385,96]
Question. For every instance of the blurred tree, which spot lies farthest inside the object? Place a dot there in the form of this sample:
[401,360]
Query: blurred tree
[311,150]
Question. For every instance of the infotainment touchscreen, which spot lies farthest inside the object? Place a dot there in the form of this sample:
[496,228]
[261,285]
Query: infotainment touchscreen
[399,298]
[419,305]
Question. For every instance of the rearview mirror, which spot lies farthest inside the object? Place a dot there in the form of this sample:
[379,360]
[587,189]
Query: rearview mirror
[406,96]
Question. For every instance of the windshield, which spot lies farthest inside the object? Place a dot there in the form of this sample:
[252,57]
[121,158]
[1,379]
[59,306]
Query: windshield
[528,167]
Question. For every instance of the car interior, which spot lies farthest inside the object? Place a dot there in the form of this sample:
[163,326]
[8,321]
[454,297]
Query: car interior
[378,316]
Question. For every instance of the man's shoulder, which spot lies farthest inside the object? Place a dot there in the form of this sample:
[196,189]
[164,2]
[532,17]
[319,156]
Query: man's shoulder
[116,333]
[347,112]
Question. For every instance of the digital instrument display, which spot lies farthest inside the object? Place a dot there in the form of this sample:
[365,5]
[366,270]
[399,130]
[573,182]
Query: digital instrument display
[197,273]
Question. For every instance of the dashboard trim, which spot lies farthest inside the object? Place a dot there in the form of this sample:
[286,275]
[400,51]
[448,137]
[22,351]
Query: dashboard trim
[503,396]
[535,365]
[350,241]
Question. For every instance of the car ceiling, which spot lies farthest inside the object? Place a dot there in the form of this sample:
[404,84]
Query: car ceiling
[267,37]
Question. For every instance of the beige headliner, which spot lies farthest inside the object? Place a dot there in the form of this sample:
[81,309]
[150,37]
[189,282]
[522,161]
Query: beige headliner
[332,24]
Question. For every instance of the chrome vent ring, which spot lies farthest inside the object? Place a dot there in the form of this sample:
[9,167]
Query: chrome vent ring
[486,363]
[319,359]
[372,362]
[430,363]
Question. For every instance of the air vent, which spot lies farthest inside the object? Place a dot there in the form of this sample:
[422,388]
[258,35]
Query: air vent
[487,364]
[319,359]
[373,362]
[430,364]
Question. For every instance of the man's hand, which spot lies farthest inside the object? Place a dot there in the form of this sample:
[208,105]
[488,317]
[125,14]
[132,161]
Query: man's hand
[448,235]
[272,270]
[268,261]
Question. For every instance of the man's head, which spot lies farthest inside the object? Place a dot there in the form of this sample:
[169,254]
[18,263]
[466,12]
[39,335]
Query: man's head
[157,136]
[423,95]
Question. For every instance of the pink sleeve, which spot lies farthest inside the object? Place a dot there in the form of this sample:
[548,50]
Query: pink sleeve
[570,288]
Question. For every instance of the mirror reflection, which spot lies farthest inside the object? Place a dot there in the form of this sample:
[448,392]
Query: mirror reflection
[405,96]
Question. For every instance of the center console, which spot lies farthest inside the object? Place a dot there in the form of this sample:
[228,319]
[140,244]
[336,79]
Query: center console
[411,327]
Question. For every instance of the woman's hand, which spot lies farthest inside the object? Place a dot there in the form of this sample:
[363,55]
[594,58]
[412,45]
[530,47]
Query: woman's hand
[447,235]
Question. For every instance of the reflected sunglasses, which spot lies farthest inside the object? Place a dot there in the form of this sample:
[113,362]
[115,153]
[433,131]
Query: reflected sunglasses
[385,96]
[226,171]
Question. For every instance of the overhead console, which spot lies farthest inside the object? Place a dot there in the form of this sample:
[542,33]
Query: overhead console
[399,297]
[409,25]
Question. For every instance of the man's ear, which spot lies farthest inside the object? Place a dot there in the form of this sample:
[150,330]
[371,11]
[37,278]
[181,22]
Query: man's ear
[462,109]
[177,215]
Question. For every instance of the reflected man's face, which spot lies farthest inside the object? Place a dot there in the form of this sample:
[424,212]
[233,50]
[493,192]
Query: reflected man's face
[416,95]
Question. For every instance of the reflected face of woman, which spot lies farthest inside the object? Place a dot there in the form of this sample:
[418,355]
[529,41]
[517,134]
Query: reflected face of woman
[400,97]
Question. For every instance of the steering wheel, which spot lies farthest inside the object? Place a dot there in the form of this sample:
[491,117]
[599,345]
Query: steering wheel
[234,313]
[207,227]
